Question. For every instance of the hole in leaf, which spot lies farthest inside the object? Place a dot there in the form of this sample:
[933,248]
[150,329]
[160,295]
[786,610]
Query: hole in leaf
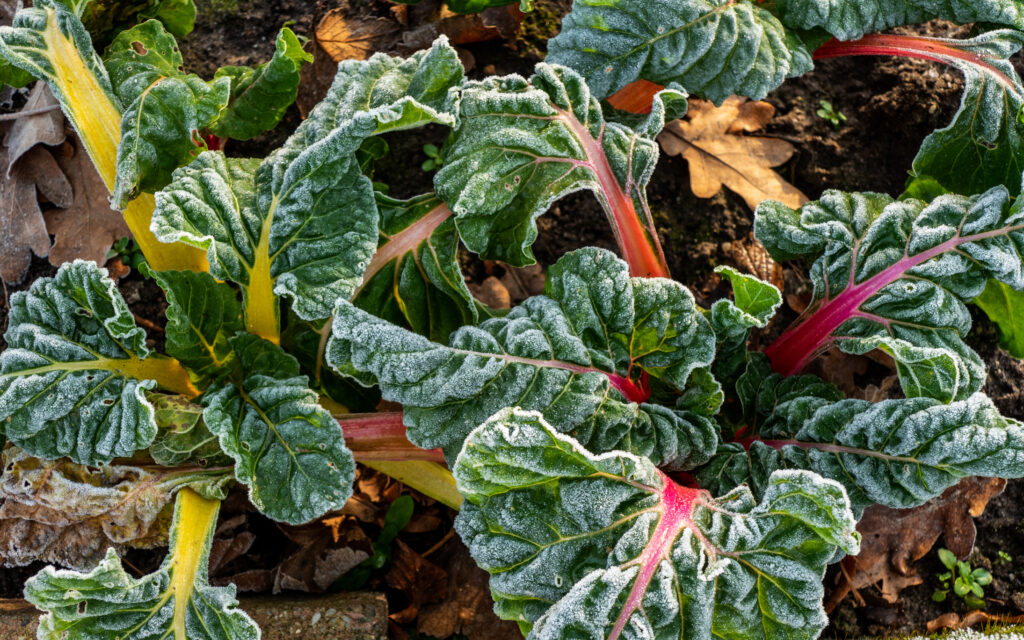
[139,49]
[81,608]
[106,402]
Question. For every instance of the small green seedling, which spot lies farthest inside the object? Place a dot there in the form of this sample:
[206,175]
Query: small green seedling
[968,583]
[828,112]
[1004,559]
[131,255]
[433,160]
[398,515]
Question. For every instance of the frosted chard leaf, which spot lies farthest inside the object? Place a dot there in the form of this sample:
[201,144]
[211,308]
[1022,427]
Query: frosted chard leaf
[896,276]
[608,547]
[68,514]
[202,314]
[174,603]
[165,110]
[753,306]
[414,279]
[286,447]
[851,19]
[584,354]
[74,377]
[714,48]
[520,145]
[102,17]
[261,95]
[301,224]
[900,453]
[386,93]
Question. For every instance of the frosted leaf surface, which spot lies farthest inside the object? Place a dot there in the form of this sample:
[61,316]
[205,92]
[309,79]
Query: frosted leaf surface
[754,304]
[182,434]
[74,375]
[851,19]
[202,314]
[176,602]
[567,353]
[306,228]
[165,109]
[900,453]
[286,447]
[521,144]
[984,145]
[896,276]
[607,546]
[714,48]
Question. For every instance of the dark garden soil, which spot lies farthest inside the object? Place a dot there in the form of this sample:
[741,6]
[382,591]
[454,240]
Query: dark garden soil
[891,105]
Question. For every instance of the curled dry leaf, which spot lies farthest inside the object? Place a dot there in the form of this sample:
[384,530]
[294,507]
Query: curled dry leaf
[750,256]
[711,140]
[468,609]
[44,128]
[420,580]
[22,227]
[892,539]
[952,621]
[68,514]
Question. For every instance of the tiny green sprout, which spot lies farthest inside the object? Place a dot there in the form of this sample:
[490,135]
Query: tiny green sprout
[433,160]
[130,254]
[968,583]
[828,112]
[1004,558]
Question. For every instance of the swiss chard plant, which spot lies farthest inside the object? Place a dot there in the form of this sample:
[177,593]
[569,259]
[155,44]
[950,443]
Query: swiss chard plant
[137,94]
[626,466]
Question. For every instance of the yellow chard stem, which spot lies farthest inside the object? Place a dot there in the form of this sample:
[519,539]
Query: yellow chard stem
[195,521]
[429,478]
[262,315]
[97,119]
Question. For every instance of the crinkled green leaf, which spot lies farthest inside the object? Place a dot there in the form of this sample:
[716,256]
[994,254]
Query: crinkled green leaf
[1005,307]
[182,435]
[202,314]
[714,48]
[754,304]
[287,448]
[68,514]
[386,93]
[260,96]
[896,276]
[900,453]
[984,145]
[73,379]
[584,546]
[414,279]
[520,145]
[569,353]
[304,226]
[165,109]
[851,19]
[176,602]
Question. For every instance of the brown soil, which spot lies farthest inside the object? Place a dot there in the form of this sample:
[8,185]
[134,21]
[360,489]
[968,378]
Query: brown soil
[891,105]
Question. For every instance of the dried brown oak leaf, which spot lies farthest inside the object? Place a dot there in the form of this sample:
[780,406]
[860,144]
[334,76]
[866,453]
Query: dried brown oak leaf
[28,131]
[22,226]
[892,539]
[349,37]
[87,227]
[749,255]
[420,581]
[711,140]
[68,514]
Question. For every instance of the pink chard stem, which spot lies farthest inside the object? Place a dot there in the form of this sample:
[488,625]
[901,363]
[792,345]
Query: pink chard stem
[380,437]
